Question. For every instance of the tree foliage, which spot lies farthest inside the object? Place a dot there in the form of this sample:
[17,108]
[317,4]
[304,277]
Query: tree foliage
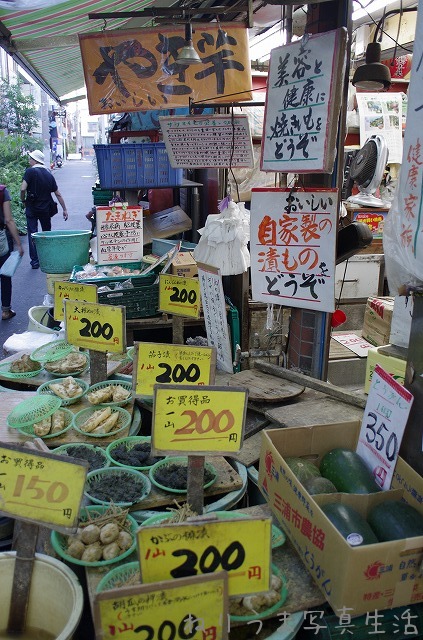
[17,111]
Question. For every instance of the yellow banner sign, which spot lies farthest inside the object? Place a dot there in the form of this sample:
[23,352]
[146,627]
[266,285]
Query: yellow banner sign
[41,487]
[137,69]
[200,420]
[74,291]
[100,327]
[194,608]
[177,550]
[172,363]
[179,296]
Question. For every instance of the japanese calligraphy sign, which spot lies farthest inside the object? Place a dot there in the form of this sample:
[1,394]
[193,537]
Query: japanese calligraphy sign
[194,608]
[214,310]
[198,420]
[179,296]
[304,88]
[172,363]
[179,550]
[100,327]
[75,291]
[383,424]
[135,70]
[293,240]
[119,234]
[355,343]
[208,141]
[41,487]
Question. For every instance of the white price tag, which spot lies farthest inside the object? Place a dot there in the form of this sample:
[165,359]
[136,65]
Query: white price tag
[386,414]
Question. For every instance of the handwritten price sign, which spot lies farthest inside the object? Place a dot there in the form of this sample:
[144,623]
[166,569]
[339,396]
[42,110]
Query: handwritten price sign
[167,364]
[41,487]
[100,327]
[179,296]
[180,550]
[386,414]
[74,291]
[198,420]
[191,608]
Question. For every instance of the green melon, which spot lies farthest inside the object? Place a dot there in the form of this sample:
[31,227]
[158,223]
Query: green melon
[302,469]
[319,484]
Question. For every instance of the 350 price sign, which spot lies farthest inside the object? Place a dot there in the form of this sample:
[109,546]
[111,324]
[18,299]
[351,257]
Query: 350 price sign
[198,420]
[386,414]
[190,609]
[172,364]
[179,296]
[41,487]
[100,327]
[181,550]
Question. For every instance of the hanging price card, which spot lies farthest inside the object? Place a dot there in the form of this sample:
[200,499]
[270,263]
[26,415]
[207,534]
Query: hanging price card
[193,608]
[179,296]
[183,549]
[74,291]
[41,487]
[100,327]
[172,363]
[200,420]
[382,428]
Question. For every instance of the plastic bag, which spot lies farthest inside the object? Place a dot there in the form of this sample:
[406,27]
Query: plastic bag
[11,264]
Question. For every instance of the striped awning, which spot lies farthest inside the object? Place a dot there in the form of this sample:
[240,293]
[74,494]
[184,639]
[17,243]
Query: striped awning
[45,41]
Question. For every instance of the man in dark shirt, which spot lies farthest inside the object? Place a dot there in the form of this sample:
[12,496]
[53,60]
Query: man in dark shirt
[37,186]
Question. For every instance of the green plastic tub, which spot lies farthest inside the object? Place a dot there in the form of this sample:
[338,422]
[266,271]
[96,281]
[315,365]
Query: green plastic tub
[59,251]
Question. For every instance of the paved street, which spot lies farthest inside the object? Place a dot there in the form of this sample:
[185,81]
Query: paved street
[75,180]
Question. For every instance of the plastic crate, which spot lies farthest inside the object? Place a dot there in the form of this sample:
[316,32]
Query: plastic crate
[141,302]
[132,166]
[106,280]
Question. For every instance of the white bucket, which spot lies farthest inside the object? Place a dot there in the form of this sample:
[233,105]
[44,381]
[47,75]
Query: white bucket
[56,599]
[38,319]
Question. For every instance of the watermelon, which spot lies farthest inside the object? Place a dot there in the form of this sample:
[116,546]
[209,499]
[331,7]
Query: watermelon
[303,469]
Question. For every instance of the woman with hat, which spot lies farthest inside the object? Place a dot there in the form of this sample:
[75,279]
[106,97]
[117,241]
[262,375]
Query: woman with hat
[37,186]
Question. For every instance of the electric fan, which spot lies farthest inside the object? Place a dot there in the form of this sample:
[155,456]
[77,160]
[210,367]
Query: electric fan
[367,169]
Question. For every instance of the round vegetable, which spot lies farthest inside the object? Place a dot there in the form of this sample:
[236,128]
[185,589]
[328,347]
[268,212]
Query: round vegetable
[395,520]
[319,485]
[302,469]
[350,524]
[348,472]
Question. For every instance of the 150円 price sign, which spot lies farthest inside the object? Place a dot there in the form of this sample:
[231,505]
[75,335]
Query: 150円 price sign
[41,487]
[198,420]
[100,327]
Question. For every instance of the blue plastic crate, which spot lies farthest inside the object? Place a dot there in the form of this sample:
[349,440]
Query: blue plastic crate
[132,166]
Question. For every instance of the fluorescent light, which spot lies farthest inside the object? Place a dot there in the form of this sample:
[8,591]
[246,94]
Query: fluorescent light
[369,8]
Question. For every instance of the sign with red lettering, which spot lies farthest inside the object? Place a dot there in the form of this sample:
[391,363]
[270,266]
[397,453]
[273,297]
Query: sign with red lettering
[119,233]
[293,239]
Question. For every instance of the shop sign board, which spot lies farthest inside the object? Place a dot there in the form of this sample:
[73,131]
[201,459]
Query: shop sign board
[179,296]
[293,241]
[74,291]
[119,234]
[99,327]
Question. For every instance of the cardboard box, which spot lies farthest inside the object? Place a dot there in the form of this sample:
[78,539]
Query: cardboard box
[377,320]
[360,579]
[395,366]
[184,265]
[164,224]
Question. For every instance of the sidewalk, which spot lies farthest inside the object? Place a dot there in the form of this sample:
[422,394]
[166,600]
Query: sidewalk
[75,180]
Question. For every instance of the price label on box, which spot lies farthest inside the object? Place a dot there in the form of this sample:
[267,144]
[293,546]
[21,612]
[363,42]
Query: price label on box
[100,327]
[179,296]
[385,416]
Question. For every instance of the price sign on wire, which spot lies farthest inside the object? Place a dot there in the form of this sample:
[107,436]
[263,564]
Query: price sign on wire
[100,327]
[41,487]
[172,363]
[187,549]
[385,416]
[191,608]
[179,296]
[198,420]
[74,291]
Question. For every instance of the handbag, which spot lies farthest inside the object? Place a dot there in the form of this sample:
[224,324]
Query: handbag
[12,263]
[53,208]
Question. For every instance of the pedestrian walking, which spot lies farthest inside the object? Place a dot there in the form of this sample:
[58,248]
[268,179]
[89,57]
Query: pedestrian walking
[7,223]
[37,186]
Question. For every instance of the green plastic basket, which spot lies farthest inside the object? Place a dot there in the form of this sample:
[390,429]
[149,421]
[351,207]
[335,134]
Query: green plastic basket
[32,410]
[66,449]
[44,389]
[110,383]
[68,373]
[137,479]
[123,422]
[129,442]
[50,352]
[58,540]
[28,430]
[271,610]
[120,576]
[178,460]
[6,373]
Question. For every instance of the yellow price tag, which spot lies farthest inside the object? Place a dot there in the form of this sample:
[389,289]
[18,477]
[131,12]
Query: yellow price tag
[194,608]
[172,363]
[41,487]
[177,550]
[100,327]
[179,296]
[74,291]
[200,420]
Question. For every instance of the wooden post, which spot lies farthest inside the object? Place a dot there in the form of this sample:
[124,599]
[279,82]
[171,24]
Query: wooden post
[177,330]
[24,564]
[195,484]
[98,366]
